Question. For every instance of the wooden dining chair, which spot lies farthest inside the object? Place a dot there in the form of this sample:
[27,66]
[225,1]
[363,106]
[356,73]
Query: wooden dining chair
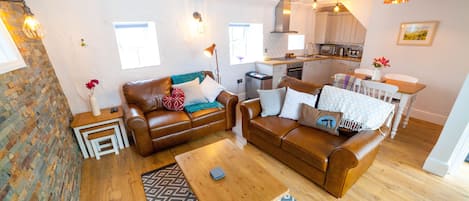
[364,71]
[347,82]
[380,91]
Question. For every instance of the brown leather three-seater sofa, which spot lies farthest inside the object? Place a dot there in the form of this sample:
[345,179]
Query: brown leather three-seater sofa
[333,162]
[154,128]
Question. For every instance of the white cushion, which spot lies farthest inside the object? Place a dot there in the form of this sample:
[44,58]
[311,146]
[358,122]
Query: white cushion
[292,106]
[210,88]
[192,92]
[271,101]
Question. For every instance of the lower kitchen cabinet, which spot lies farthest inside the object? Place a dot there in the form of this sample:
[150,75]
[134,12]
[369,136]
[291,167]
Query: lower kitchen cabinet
[317,72]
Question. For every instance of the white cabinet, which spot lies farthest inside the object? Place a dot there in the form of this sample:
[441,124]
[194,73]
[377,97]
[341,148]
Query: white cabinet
[320,29]
[317,72]
[276,71]
[343,66]
[338,28]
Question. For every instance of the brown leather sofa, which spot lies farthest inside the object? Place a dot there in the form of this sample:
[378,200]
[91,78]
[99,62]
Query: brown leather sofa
[333,162]
[154,128]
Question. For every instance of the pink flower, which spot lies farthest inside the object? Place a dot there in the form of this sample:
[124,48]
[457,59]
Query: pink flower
[92,84]
[381,62]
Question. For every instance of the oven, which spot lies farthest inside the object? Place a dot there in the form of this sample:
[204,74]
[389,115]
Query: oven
[295,70]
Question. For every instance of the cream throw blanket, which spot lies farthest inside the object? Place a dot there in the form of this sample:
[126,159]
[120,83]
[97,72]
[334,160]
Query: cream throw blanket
[360,112]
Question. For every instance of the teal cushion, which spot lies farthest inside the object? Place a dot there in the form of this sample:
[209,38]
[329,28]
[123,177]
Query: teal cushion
[202,106]
[178,79]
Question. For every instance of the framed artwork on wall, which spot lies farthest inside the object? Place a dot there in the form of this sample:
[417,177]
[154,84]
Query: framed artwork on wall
[417,33]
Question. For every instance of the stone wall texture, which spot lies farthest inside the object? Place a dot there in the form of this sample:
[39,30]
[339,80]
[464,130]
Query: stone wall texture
[39,158]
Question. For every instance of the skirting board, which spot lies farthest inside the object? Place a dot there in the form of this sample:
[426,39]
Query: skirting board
[241,96]
[428,116]
[435,166]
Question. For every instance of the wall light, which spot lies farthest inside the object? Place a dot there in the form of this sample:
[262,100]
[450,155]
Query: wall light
[315,4]
[198,22]
[31,27]
[336,8]
[395,1]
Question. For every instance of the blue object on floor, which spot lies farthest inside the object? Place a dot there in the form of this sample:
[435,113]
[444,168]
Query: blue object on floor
[467,158]
[217,173]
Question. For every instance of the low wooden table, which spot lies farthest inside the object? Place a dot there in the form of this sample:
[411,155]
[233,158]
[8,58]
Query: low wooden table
[86,121]
[244,178]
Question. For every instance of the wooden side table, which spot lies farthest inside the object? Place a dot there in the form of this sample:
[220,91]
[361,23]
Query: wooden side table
[87,121]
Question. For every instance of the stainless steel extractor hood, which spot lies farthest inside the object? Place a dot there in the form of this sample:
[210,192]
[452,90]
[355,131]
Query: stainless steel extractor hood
[282,17]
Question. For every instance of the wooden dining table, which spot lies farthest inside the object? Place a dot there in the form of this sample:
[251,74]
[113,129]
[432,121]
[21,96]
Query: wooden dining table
[406,93]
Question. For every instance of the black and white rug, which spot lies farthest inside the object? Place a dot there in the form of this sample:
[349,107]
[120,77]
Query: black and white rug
[168,184]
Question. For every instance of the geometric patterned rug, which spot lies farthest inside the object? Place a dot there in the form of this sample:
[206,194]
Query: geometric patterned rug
[167,184]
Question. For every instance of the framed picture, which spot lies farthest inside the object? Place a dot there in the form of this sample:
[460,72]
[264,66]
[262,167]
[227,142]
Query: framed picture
[417,33]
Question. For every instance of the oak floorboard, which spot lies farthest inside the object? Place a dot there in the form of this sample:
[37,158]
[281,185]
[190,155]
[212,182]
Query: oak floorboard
[396,174]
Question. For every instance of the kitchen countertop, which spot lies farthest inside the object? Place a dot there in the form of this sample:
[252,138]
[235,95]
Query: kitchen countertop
[306,59]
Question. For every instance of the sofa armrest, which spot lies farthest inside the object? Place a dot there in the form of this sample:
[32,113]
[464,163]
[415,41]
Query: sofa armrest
[350,160]
[229,100]
[250,109]
[138,126]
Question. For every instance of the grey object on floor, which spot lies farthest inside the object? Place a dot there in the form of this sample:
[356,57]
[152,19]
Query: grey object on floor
[467,158]
[167,184]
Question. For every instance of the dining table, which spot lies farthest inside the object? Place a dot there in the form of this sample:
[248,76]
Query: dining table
[406,94]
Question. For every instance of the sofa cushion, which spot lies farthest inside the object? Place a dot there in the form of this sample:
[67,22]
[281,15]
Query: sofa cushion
[311,145]
[206,116]
[274,128]
[163,122]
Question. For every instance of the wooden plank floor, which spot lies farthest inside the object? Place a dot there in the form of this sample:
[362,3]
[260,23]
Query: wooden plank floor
[396,174]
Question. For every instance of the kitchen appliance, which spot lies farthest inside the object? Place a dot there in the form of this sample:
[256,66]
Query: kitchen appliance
[354,53]
[282,17]
[295,70]
[327,49]
[255,81]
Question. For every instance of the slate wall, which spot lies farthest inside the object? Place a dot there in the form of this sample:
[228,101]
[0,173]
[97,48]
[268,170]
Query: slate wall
[39,158]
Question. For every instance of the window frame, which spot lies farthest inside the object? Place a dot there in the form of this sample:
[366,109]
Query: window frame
[152,27]
[11,47]
[238,24]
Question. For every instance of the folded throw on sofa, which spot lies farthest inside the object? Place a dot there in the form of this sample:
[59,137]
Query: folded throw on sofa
[202,106]
[360,112]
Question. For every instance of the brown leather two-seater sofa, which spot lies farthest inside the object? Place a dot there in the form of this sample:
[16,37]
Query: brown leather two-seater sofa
[154,128]
[333,162]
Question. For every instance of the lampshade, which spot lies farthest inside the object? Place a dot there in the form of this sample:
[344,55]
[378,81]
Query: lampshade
[209,50]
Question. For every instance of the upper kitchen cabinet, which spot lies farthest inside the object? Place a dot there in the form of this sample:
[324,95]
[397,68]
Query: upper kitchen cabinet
[338,28]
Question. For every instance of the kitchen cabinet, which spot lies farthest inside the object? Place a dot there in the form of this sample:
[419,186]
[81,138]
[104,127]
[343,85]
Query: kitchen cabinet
[276,71]
[340,28]
[343,66]
[317,72]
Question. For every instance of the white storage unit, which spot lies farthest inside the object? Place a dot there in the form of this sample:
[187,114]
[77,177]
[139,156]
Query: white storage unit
[338,28]
[317,72]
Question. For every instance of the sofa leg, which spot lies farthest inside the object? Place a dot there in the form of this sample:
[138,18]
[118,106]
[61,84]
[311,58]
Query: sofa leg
[228,129]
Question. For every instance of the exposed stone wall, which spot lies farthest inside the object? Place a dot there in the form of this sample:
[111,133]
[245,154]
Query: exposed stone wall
[39,158]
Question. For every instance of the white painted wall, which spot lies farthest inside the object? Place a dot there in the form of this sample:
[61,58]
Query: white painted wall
[67,21]
[442,67]
[453,144]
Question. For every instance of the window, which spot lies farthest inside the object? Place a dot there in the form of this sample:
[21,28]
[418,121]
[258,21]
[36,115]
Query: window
[296,42]
[245,43]
[10,57]
[138,44]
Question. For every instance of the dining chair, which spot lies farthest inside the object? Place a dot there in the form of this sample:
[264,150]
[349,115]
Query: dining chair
[347,82]
[380,91]
[364,71]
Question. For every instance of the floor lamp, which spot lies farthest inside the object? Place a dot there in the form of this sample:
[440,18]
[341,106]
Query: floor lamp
[209,51]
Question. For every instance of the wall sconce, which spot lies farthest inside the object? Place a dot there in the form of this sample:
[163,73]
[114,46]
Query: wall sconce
[315,4]
[31,27]
[337,8]
[199,26]
[395,1]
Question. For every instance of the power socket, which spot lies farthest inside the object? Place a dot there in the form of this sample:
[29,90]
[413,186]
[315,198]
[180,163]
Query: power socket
[239,81]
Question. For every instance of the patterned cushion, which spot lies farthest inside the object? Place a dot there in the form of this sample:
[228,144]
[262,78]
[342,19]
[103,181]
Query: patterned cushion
[175,102]
[320,119]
